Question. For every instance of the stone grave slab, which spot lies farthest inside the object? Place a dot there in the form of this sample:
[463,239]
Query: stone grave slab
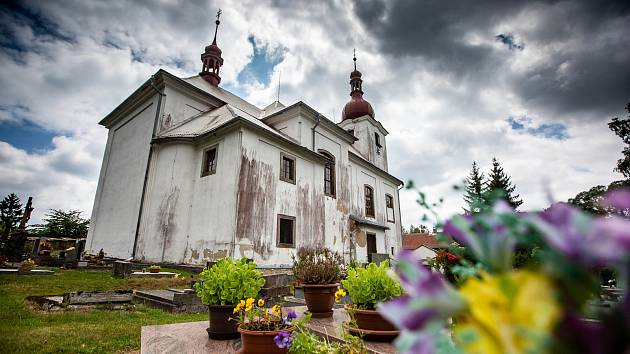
[152,275]
[30,272]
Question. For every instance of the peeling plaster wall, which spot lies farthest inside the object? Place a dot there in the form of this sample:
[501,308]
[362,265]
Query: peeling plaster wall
[117,203]
[166,211]
[213,206]
[262,196]
[189,218]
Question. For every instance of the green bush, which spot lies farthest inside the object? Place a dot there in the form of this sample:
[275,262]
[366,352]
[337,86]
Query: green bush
[371,285]
[317,266]
[228,282]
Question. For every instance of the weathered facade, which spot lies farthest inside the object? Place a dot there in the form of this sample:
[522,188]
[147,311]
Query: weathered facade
[193,173]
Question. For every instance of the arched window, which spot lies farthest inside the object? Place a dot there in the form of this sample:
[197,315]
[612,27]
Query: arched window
[369,201]
[329,173]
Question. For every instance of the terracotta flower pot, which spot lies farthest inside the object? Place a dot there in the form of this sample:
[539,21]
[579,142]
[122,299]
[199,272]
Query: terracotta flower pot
[261,342]
[370,320]
[222,325]
[153,270]
[320,298]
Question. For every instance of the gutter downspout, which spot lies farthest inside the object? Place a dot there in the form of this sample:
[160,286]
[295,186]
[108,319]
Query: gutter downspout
[319,119]
[146,172]
[400,216]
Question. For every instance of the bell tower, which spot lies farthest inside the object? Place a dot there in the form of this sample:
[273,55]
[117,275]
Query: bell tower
[211,58]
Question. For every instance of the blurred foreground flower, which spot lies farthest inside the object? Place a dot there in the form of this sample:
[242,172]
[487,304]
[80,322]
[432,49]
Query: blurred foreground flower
[508,313]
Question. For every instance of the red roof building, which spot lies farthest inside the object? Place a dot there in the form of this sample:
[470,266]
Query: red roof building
[416,240]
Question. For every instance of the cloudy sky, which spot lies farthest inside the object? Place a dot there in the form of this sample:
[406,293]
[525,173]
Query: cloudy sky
[531,83]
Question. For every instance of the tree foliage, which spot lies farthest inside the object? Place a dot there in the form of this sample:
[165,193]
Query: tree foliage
[474,190]
[10,214]
[590,200]
[59,223]
[621,127]
[499,186]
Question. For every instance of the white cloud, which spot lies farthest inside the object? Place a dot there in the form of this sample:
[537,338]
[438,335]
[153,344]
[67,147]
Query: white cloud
[438,122]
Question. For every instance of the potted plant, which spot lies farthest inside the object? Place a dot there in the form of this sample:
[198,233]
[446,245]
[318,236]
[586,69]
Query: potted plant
[27,266]
[154,269]
[317,269]
[221,287]
[367,287]
[262,328]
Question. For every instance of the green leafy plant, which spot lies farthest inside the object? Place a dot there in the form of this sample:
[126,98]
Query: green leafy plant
[229,281]
[304,341]
[317,266]
[371,285]
[155,267]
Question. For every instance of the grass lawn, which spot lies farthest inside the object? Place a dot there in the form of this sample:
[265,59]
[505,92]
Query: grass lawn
[23,330]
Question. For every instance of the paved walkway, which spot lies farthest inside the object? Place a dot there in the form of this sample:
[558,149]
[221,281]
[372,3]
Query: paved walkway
[191,337]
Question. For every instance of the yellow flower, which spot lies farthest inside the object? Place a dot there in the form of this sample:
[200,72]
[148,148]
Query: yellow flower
[241,303]
[261,302]
[249,308]
[236,309]
[511,313]
[276,310]
[250,301]
[339,295]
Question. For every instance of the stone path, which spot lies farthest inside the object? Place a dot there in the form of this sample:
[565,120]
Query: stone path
[191,337]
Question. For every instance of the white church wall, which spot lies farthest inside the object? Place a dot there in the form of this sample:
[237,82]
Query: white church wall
[179,106]
[117,203]
[213,210]
[166,208]
[364,130]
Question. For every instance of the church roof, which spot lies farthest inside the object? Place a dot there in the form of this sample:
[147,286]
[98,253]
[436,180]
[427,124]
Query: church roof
[205,122]
[224,95]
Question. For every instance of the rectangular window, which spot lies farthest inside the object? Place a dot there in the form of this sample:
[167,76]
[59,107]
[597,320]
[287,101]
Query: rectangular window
[389,205]
[286,231]
[329,173]
[287,168]
[209,166]
[377,139]
[369,201]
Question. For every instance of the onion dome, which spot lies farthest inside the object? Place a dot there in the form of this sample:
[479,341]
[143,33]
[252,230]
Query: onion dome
[211,59]
[357,106]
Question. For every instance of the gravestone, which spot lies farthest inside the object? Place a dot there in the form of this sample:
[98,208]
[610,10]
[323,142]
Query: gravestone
[121,269]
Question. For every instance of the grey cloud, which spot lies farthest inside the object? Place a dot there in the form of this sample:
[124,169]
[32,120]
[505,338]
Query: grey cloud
[592,38]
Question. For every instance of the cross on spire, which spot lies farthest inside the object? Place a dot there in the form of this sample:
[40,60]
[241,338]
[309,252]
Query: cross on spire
[354,57]
[217,22]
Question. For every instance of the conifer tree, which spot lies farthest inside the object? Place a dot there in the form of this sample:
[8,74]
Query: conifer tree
[473,194]
[10,214]
[499,186]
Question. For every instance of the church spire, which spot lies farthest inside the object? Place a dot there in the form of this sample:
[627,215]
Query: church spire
[211,58]
[355,78]
[357,106]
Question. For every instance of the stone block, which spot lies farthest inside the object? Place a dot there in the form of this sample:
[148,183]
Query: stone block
[121,269]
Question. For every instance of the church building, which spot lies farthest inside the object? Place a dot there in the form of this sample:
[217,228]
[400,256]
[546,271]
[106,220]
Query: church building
[193,173]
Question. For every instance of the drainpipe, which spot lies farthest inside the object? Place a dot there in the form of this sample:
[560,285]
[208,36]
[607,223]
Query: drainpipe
[146,172]
[319,119]
[400,215]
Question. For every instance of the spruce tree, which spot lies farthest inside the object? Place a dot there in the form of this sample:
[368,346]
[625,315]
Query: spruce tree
[10,214]
[499,186]
[473,194]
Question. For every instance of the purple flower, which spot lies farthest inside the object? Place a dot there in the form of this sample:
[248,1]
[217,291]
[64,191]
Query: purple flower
[283,339]
[619,199]
[291,315]
[428,297]
[487,235]
[592,242]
